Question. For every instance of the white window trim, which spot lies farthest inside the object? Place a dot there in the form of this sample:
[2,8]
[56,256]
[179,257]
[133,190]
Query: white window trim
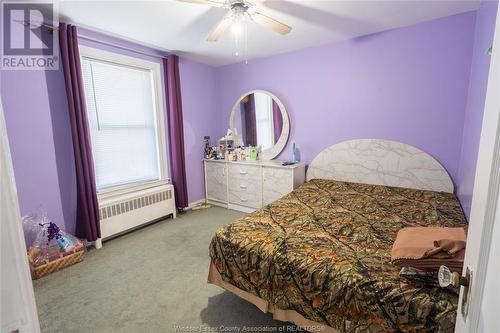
[155,68]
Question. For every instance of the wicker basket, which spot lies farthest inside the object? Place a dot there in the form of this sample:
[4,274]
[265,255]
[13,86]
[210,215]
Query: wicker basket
[55,265]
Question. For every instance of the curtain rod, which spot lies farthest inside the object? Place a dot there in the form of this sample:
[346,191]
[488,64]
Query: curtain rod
[120,46]
[46,25]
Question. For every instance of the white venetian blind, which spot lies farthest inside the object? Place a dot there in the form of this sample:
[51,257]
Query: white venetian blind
[121,112]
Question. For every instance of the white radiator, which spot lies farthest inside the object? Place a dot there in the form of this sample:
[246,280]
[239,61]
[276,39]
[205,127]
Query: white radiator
[131,210]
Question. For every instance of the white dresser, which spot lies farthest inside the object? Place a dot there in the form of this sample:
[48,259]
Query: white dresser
[249,185]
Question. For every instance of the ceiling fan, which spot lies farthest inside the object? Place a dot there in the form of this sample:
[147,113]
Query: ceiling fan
[238,11]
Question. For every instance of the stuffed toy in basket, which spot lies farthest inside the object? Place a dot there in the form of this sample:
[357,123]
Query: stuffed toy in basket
[49,248]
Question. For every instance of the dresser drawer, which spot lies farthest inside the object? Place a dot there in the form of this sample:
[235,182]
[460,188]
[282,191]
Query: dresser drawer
[245,172]
[245,186]
[245,195]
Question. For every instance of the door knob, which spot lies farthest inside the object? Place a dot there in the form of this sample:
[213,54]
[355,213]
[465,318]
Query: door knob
[448,278]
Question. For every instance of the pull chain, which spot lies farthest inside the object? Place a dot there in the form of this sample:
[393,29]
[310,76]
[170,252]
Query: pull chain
[245,27]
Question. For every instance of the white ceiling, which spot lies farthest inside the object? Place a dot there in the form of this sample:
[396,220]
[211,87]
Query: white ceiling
[183,27]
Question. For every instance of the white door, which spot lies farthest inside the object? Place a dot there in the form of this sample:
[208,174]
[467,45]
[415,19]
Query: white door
[482,232]
[490,303]
[18,309]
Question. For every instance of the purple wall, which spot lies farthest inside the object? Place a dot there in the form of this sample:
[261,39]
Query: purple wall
[199,106]
[485,24]
[31,100]
[35,107]
[408,84]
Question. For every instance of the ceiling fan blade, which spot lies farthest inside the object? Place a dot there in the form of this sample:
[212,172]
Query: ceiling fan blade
[212,3]
[271,23]
[220,28]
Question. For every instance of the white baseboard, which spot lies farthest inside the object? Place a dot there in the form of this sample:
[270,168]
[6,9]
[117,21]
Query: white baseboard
[194,203]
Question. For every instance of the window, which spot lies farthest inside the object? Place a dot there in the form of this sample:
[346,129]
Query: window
[124,108]
[264,120]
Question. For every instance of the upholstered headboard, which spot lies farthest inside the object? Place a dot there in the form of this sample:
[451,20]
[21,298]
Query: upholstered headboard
[380,162]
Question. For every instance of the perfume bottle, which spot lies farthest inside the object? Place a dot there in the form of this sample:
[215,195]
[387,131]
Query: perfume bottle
[294,153]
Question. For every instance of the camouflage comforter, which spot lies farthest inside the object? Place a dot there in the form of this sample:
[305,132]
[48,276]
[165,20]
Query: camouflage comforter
[324,251]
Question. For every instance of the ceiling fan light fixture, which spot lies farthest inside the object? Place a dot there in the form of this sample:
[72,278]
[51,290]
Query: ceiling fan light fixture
[237,26]
[239,33]
[240,12]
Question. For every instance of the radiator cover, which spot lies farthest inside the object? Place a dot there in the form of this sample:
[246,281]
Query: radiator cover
[120,213]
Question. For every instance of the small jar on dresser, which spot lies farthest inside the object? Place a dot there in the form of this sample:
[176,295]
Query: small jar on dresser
[249,185]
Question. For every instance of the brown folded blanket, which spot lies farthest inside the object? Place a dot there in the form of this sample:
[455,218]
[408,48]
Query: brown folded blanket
[429,248]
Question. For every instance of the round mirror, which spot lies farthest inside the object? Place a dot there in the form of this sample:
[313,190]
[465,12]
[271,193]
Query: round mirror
[260,119]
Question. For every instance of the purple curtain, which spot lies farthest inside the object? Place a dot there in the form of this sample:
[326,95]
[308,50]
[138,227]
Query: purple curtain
[250,121]
[176,130]
[277,121]
[87,214]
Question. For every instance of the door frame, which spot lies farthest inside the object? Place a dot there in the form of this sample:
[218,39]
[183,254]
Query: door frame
[485,195]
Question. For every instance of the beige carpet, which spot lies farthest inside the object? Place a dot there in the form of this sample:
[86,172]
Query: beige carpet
[150,280]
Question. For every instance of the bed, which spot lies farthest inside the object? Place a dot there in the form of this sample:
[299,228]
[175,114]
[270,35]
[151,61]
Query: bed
[320,256]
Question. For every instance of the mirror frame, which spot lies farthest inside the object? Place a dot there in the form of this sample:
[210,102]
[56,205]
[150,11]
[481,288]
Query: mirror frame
[278,147]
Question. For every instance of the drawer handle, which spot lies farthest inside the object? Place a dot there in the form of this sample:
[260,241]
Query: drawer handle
[243,186]
[244,200]
[243,172]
